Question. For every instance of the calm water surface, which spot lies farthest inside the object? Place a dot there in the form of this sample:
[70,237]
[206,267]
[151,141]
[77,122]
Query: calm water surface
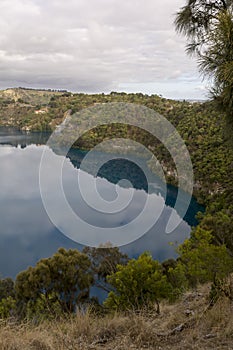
[26,232]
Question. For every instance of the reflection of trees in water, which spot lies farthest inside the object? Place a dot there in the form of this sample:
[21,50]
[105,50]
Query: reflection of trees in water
[113,171]
[119,169]
[16,138]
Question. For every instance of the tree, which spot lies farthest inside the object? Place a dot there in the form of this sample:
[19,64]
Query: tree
[197,19]
[175,273]
[104,261]
[7,307]
[6,288]
[138,284]
[216,62]
[203,261]
[220,223]
[65,277]
[208,27]
[7,297]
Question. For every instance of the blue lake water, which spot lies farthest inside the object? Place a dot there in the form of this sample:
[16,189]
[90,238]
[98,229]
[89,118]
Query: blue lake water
[26,232]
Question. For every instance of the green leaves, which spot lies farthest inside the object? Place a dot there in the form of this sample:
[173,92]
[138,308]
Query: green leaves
[7,307]
[6,288]
[138,284]
[196,20]
[208,26]
[104,261]
[204,261]
[66,276]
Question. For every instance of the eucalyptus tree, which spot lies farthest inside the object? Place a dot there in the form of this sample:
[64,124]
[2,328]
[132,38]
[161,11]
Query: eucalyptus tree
[216,62]
[64,278]
[208,27]
[141,283]
[197,19]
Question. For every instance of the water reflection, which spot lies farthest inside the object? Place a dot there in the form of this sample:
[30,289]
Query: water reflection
[26,232]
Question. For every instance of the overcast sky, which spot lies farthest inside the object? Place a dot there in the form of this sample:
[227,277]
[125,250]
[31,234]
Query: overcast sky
[96,46]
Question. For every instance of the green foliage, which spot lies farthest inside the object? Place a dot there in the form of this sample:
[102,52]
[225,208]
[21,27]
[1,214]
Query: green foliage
[221,225]
[104,261]
[176,276]
[138,284]
[7,307]
[197,19]
[6,288]
[65,276]
[217,62]
[202,260]
[44,308]
[221,288]
[215,292]
[208,26]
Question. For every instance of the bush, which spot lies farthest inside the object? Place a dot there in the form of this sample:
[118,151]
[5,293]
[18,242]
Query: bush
[138,284]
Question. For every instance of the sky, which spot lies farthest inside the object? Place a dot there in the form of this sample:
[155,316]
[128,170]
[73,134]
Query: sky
[96,46]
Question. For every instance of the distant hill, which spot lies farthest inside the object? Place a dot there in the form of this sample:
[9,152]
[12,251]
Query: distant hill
[29,96]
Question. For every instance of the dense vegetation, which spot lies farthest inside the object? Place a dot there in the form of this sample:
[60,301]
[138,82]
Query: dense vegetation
[61,284]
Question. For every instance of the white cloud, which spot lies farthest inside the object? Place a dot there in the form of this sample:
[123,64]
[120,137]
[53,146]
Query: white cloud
[90,46]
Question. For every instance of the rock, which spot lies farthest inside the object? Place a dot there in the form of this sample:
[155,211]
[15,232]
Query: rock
[189,312]
[210,336]
[178,329]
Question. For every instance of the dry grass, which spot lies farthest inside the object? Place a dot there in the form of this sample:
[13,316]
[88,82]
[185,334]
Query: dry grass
[188,324]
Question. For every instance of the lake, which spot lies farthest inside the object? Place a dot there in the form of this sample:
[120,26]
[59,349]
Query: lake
[27,234]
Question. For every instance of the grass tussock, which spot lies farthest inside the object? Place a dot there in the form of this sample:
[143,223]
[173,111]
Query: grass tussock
[188,324]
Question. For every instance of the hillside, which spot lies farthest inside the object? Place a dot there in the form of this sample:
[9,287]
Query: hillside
[29,96]
[188,324]
[200,125]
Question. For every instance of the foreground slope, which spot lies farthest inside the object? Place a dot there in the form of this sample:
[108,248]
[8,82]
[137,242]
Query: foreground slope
[187,324]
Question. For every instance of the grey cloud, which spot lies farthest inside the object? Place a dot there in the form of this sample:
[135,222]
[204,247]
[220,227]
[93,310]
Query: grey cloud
[90,45]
